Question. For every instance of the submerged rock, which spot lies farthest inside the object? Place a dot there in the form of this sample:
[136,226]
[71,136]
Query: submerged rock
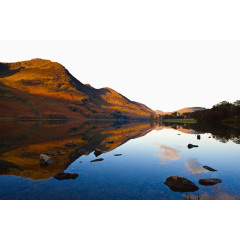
[117,155]
[209,181]
[180,184]
[191,146]
[51,153]
[209,168]
[45,160]
[66,176]
[179,134]
[71,144]
[97,160]
[98,152]
[83,151]
[108,142]
[198,137]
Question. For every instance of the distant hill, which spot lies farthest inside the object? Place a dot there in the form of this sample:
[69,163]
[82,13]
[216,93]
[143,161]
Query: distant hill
[43,89]
[159,112]
[183,110]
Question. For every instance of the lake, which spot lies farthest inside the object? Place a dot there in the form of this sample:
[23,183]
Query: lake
[147,154]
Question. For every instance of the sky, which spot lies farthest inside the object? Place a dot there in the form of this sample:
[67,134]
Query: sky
[164,75]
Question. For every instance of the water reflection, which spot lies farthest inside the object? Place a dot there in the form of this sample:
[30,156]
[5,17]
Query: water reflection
[217,193]
[23,142]
[125,169]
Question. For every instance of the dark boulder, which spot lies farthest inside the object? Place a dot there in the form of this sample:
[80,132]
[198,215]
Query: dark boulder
[98,152]
[66,176]
[209,168]
[117,155]
[97,160]
[191,146]
[198,137]
[209,181]
[180,184]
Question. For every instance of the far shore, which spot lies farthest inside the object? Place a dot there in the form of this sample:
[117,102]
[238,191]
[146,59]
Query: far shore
[190,120]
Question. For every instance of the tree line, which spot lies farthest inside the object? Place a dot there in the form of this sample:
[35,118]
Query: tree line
[218,113]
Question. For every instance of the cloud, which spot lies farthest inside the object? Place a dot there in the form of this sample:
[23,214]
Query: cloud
[168,154]
[194,166]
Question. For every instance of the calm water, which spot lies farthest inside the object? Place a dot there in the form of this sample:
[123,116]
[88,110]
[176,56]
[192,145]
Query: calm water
[150,154]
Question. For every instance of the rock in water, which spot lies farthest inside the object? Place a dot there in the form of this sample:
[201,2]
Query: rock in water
[180,184]
[117,155]
[84,151]
[51,153]
[71,144]
[66,176]
[97,160]
[198,137]
[191,146]
[98,152]
[209,181]
[209,168]
[45,160]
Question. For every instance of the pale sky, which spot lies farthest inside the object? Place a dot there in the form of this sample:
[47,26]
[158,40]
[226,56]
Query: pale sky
[165,75]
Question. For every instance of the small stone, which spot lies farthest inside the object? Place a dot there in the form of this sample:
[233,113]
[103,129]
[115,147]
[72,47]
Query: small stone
[209,181]
[84,151]
[45,160]
[98,152]
[71,144]
[97,160]
[191,146]
[51,153]
[209,168]
[117,155]
[66,176]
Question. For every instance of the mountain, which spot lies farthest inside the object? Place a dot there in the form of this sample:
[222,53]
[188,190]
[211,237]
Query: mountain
[183,110]
[43,89]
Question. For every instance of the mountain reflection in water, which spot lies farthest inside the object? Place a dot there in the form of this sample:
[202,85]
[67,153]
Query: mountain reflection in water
[131,169]
[23,142]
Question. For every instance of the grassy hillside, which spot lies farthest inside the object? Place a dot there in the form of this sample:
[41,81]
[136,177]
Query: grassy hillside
[44,89]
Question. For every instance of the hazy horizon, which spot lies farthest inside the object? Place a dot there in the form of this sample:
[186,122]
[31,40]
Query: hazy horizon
[164,75]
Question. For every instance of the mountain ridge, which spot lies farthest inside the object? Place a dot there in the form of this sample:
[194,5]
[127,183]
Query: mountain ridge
[44,89]
[182,110]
